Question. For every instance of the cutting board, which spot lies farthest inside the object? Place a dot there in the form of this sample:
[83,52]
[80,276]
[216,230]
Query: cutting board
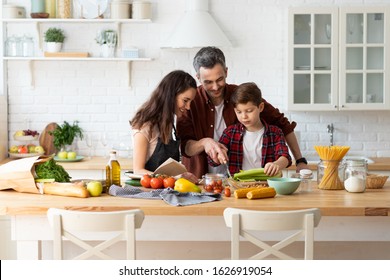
[66,54]
[46,140]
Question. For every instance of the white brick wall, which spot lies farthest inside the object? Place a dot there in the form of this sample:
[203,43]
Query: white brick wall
[97,93]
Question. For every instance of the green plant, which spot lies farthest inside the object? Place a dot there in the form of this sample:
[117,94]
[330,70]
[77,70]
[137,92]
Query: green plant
[65,134]
[106,37]
[54,35]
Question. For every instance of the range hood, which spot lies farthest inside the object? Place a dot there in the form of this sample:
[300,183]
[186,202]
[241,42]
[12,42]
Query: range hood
[196,29]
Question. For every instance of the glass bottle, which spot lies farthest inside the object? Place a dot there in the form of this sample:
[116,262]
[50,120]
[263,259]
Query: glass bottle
[355,175]
[113,171]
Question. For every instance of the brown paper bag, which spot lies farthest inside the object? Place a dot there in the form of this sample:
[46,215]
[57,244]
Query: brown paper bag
[19,174]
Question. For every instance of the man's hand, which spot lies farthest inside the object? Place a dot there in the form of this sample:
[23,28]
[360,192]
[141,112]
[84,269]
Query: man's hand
[216,151]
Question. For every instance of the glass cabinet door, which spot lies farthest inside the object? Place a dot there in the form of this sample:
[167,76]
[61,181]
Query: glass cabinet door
[362,58]
[313,56]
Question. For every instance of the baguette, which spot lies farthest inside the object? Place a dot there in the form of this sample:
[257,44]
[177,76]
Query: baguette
[261,193]
[241,193]
[64,189]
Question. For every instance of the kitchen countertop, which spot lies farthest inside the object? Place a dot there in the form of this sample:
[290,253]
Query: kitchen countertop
[99,163]
[373,202]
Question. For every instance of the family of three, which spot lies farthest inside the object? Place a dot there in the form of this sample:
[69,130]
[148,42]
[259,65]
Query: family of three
[210,124]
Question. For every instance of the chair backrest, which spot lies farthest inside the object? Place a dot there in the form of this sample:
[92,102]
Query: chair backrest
[119,225]
[245,222]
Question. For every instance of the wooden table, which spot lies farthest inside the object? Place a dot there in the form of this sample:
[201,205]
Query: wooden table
[373,202]
[367,214]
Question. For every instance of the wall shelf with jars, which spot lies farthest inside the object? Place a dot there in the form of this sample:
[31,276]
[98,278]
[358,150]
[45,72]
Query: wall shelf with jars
[338,59]
[31,48]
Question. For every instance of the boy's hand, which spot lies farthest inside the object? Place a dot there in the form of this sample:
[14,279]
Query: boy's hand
[271,169]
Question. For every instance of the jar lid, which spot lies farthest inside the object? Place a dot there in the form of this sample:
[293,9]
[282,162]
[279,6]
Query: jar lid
[305,173]
[356,162]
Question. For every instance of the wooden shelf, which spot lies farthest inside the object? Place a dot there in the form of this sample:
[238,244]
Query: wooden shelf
[73,20]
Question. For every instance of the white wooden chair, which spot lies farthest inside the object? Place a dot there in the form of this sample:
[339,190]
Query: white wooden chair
[245,223]
[119,225]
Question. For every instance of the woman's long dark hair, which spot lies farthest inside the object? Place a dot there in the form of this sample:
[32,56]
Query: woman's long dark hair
[160,108]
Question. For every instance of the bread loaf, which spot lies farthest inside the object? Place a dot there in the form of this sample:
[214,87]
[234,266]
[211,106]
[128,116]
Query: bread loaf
[64,189]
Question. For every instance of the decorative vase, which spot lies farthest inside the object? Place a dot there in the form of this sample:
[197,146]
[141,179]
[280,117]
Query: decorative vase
[53,47]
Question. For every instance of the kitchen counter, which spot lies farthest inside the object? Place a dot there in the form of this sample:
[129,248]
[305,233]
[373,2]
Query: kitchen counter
[94,163]
[99,163]
[373,202]
[359,217]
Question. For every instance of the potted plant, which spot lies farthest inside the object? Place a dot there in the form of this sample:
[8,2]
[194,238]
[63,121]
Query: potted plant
[54,37]
[65,134]
[107,39]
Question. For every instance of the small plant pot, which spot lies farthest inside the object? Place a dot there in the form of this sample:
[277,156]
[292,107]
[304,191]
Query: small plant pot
[107,50]
[53,47]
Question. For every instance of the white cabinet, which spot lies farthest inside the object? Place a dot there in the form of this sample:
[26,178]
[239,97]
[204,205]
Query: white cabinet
[364,57]
[338,59]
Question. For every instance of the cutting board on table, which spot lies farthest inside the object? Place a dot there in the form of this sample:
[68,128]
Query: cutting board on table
[46,140]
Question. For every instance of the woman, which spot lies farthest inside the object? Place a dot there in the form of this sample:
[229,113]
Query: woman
[154,132]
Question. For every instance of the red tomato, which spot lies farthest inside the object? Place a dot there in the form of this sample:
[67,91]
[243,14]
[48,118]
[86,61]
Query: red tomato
[156,183]
[227,192]
[217,190]
[145,181]
[169,182]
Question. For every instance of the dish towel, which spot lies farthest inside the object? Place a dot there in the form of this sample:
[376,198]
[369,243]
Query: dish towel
[169,195]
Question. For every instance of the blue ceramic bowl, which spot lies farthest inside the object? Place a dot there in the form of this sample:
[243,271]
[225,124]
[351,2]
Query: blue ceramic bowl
[284,185]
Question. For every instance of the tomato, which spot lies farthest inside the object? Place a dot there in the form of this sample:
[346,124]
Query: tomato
[169,182]
[227,192]
[217,190]
[145,181]
[156,183]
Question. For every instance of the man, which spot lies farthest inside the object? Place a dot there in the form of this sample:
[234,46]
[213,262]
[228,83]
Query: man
[211,112]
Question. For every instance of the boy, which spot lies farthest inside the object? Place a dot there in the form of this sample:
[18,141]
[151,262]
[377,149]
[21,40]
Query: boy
[252,143]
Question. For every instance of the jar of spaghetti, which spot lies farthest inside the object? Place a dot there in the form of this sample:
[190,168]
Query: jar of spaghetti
[330,174]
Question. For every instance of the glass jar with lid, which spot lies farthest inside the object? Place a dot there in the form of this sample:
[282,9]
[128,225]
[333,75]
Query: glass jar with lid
[13,46]
[306,176]
[355,175]
[27,46]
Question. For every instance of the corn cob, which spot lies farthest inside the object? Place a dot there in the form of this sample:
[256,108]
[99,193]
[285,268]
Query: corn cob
[241,193]
[261,193]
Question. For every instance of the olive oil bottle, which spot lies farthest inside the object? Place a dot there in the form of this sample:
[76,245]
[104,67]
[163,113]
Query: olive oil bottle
[113,171]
